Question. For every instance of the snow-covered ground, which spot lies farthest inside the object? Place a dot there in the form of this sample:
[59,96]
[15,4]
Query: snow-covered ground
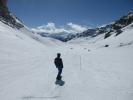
[91,71]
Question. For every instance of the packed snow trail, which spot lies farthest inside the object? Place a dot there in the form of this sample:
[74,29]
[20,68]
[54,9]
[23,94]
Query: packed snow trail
[91,72]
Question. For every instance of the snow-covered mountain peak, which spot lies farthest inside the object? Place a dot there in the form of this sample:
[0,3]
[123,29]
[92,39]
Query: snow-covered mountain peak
[76,31]
[108,29]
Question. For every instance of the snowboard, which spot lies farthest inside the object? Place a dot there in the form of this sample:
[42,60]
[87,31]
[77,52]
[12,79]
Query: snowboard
[60,82]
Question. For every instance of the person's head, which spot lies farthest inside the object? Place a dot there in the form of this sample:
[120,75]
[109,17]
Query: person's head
[58,55]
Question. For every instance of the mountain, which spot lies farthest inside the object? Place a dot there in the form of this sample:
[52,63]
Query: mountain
[59,32]
[92,70]
[59,36]
[7,18]
[15,23]
[107,30]
[12,21]
[3,8]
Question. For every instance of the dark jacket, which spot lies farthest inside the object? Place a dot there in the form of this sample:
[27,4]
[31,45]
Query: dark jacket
[58,62]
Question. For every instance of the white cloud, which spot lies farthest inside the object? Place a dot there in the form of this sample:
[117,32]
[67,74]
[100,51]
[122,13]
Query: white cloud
[77,28]
[53,29]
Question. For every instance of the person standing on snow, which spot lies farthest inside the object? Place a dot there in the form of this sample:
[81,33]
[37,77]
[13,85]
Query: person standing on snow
[59,65]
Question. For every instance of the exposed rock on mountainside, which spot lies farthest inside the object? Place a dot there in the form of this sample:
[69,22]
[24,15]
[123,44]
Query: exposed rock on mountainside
[7,18]
[108,30]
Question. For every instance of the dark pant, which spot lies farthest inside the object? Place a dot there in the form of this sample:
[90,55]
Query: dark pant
[59,74]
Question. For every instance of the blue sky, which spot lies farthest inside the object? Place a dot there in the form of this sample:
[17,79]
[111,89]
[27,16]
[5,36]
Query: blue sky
[91,13]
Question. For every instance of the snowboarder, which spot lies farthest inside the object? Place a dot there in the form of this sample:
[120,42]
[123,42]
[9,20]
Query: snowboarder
[59,65]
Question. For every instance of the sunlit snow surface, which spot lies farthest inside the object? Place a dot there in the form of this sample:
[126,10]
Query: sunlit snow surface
[91,71]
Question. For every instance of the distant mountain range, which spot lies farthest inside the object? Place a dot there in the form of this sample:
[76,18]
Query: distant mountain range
[113,28]
[108,30]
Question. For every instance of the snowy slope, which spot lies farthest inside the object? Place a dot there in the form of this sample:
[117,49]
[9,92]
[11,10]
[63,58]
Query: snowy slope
[125,38]
[19,59]
[91,71]
[44,40]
